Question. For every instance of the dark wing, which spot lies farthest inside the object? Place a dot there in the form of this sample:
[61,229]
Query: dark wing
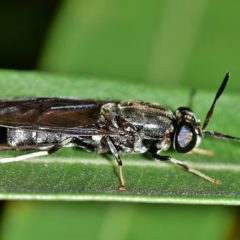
[70,116]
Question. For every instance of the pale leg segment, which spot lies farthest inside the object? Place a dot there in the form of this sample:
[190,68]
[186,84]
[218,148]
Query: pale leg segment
[185,166]
[51,149]
[115,153]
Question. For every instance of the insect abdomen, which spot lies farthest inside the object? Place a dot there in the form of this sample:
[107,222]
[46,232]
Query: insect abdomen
[19,137]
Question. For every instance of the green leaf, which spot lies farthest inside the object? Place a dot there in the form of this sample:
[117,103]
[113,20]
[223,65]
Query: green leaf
[72,174]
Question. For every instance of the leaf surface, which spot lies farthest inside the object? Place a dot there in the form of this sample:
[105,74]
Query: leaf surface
[72,174]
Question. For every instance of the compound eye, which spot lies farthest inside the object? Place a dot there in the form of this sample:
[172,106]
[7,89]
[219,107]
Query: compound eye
[185,138]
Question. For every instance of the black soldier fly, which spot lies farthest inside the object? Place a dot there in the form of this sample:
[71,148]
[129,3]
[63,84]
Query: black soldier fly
[48,124]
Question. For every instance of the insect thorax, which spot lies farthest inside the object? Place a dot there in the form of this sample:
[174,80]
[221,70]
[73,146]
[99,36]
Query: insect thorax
[139,125]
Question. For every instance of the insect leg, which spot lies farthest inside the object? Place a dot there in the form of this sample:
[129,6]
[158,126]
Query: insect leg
[119,161]
[202,151]
[185,166]
[82,144]
[50,150]
[23,157]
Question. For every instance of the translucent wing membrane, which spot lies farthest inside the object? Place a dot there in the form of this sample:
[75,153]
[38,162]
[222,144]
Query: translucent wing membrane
[70,116]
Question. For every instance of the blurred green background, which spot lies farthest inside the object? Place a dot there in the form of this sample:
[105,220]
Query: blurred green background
[164,43]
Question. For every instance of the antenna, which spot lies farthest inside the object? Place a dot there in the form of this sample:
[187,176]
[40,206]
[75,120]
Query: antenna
[221,135]
[219,93]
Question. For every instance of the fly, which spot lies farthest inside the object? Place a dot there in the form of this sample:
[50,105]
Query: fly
[48,124]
